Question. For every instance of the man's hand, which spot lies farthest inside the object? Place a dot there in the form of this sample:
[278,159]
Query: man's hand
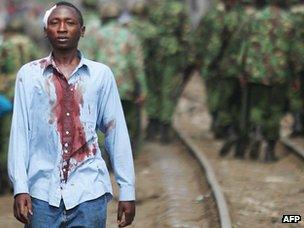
[125,213]
[140,100]
[23,207]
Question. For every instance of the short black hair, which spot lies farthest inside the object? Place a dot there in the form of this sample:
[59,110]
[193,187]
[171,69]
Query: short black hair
[79,14]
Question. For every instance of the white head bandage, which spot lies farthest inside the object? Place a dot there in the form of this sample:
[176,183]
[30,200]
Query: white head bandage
[47,14]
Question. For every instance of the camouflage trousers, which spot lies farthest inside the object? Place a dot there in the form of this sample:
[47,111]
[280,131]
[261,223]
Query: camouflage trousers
[296,95]
[163,93]
[132,113]
[223,100]
[267,107]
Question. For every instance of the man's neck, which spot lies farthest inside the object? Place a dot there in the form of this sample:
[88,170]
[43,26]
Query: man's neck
[66,57]
[66,61]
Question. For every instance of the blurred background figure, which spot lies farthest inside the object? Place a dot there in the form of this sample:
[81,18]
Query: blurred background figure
[5,105]
[5,108]
[212,38]
[16,49]
[232,116]
[90,13]
[264,54]
[114,45]
[168,63]
[296,94]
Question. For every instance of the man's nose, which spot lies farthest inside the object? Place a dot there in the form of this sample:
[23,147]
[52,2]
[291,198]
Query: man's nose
[62,27]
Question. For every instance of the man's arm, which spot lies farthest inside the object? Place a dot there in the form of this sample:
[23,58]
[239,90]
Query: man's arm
[117,142]
[19,152]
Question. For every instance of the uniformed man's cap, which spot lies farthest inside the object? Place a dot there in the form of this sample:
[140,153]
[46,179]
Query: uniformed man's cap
[247,1]
[90,3]
[110,9]
[15,23]
[283,2]
[139,7]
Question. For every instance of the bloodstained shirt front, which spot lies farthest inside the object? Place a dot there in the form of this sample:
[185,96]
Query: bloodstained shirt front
[54,152]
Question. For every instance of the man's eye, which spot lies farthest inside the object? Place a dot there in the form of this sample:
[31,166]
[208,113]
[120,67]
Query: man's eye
[71,23]
[53,22]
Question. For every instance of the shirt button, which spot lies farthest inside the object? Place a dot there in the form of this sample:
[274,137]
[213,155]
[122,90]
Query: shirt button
[67,132]
[66,145]
[63,170]
[72,89]
[65,151]
[68,114]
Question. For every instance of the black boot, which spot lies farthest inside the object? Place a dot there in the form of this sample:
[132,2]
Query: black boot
[167,134]
[153,130]
[231,141]
[221,132]
[240,149]
[255,150]
[213,121]
[270,151]
[255,147]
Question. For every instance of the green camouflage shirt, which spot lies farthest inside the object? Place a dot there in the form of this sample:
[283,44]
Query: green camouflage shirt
[145,31]
[172,43]
[297,14]
[208,39]
[230,64]
[115,46]
[266,46]
[15,51]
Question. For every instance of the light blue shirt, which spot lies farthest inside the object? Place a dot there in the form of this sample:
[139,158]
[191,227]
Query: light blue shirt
[35,147]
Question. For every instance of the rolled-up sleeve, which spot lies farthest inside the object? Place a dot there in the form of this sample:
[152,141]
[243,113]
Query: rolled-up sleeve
[117,143]
[18,154]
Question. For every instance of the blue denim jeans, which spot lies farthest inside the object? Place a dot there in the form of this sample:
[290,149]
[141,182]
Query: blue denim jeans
[90,214]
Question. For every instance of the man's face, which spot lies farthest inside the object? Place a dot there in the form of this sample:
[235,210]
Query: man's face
[63,28]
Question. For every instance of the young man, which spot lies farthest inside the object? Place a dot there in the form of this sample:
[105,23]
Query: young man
[54,162]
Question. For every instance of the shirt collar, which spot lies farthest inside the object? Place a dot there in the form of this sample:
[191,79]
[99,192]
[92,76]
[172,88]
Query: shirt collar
[49,62]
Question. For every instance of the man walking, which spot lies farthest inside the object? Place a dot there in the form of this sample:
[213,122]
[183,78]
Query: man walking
[60,178]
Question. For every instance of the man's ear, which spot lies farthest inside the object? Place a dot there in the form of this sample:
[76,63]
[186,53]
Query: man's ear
[83,28]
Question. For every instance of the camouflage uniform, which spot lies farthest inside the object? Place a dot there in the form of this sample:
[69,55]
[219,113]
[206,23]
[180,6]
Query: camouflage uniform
[15,50]
[208,40]
[296,91]
[114,45]
[212,40]
[147,33]
[231,112]
[265,54]
[168,56]
[90,14]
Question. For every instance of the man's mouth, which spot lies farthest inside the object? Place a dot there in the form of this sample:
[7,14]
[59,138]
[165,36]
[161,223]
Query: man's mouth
[62,39]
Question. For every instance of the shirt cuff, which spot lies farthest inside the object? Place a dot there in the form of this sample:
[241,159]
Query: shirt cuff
[127,193]
[20,187]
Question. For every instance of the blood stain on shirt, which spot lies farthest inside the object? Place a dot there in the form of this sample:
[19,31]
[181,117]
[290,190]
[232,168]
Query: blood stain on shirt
[67,114]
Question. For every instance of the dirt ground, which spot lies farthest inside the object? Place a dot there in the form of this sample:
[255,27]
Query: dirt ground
[170,188]
[258,194]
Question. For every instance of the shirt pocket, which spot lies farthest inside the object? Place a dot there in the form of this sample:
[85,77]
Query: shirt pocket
[90,106]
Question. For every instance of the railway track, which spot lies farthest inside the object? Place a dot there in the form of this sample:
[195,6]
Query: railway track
[185,199]
[223,210]
[257,194]
[295,145]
